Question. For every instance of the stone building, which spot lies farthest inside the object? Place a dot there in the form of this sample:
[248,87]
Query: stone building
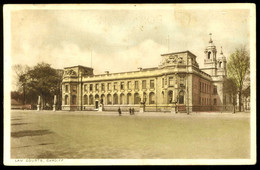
[177,82]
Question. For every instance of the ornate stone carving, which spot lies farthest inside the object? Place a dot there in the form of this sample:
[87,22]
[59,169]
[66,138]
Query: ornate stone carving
[70,72]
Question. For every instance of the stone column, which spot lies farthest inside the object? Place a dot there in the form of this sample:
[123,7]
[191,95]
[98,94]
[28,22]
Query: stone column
[54,103]
[39,102]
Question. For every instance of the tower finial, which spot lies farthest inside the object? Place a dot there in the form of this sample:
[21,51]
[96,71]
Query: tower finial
[221,50]
[210,40]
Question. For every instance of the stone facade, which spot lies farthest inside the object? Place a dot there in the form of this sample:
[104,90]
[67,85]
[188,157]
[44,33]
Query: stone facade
[177,81]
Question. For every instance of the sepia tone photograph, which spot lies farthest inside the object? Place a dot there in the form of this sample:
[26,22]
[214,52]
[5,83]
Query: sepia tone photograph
[132,84]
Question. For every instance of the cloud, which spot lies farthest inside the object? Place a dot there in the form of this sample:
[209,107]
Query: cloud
[121,40]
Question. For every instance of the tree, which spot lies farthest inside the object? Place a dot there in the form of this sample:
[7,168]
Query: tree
[21,78]
[238,68]
[230,88]
[44,81]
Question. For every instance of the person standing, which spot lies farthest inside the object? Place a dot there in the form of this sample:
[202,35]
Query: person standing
[130,111]
[133,111]
[119,111]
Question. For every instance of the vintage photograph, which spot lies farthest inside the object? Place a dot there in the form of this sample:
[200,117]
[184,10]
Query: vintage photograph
[130,84]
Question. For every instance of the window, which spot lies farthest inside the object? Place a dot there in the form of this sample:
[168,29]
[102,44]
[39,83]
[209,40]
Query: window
[85,87]
[109,99]
[200,86]
[103,87]
[122,85]
[162,82]
[144,84]
[220,64]
[74,99]
[91,102]
[96,87]
[136,85]
[115,85]
[85,99]
[181,81]
[115,97]
[66,88]
[102,101]
[129,85]
[74,88]
[151,84]
[171,82]
[66,100]
[199,100]
[215,90]
[108,86]
[215,101]
[122,97]
[170,96]
[91,87]
[136,98]
[128,98]
[151,98]
[209,54]
[181,97]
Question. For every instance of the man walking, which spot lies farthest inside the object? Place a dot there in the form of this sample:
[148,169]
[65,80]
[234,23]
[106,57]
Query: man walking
[119,111]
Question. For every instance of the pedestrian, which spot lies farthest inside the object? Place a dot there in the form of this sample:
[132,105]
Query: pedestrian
[119,111]
[133,111]
[130,111]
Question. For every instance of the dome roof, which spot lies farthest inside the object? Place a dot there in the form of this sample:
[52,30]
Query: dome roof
[210,45]
[222,57]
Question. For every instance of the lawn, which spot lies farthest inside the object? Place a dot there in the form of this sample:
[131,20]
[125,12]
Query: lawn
[45,135]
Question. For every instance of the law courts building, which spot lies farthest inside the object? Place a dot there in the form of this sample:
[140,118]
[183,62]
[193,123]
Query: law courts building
[177,81]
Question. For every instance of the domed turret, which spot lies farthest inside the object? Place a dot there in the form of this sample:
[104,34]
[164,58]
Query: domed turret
[222,64]
[210,62]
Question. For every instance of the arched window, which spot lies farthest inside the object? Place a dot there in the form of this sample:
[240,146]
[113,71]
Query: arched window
[74,99]
[96,97]
[136,98]
[209,54]
[151,98]
[215,101]
[220,64]
[109,99]
[144,97]
[91,102]
[66,100]
[85,99]
[170,96]
[122,97]
[128,98]
[181,97]
[115,97]
[102,101]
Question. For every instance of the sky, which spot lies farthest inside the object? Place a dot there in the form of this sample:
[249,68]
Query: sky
[122,39]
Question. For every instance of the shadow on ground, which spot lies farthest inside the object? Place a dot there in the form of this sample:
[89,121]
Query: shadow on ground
[30,133]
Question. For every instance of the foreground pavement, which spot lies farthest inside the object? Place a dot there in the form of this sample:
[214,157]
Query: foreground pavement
[153,135]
